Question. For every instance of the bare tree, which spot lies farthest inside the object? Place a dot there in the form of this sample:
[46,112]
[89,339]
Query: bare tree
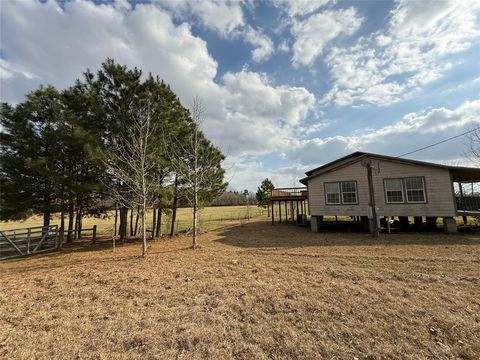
[198,167]
[474,145]
[132,167]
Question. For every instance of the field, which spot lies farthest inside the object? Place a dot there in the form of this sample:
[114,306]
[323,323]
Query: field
[210,217]
[251,291]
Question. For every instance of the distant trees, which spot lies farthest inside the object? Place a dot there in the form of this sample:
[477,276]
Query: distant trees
[75,152]
[264,193]
[233,197]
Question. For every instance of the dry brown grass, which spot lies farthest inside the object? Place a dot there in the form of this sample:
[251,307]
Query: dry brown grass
[250,291]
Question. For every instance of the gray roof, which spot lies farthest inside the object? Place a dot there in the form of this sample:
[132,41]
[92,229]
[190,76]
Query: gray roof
[463,173]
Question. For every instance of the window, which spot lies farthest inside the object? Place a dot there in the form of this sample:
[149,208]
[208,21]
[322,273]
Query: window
[349,192]
[394,190]
[332,193]
[409,190]
[344,192]
[415,189]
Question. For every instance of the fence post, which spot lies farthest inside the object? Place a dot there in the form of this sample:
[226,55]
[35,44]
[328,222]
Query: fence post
[29,236]
[94,236]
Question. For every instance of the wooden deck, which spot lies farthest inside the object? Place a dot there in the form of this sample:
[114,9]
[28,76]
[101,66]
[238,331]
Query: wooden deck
[289,194]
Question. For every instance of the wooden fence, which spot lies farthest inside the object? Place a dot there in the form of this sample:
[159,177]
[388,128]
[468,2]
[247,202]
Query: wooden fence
[27,241]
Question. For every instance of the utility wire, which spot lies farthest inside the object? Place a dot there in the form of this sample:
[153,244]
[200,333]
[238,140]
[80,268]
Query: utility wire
[438,143]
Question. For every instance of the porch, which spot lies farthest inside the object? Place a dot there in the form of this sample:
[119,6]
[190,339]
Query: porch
[289,204]
[467,198]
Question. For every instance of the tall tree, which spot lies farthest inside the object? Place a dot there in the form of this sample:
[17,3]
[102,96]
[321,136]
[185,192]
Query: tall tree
[31,154]
[132,167]
[198,165]
[264,193]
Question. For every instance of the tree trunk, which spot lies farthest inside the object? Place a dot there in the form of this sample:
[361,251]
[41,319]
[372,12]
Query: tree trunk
[174,206]
[195,217]
[123,223]
[144,230]
[131,222]
[158,227]
[46,206]
[136,220]
[115,224]
[62,225]
[71,220]
[154,222]
[79,222]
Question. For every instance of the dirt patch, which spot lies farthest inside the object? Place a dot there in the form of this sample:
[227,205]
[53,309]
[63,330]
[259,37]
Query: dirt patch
[252,291]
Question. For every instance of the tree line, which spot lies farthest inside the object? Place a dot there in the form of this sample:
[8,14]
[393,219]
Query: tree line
[115,139]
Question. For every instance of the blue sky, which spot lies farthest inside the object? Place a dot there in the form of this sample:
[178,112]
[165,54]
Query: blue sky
[288,85]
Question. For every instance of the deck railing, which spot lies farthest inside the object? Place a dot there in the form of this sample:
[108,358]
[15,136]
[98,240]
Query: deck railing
[468,203]
[282,193]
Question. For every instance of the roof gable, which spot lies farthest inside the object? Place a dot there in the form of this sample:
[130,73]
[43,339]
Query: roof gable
[355,156]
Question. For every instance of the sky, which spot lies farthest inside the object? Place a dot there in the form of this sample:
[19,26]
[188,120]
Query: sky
[287,85]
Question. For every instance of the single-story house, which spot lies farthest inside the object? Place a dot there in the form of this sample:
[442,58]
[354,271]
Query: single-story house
[399,187]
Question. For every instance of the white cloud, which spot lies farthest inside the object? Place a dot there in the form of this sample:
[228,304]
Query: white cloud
[263,45]
[223,16]
[246,113]
[246,173]
[301,7]
[258,116]
[283,47]
[314,33]
[389,65]
[413,131]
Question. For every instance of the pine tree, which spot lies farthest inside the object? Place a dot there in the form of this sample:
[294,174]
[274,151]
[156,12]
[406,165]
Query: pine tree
[31,155]
[263,193]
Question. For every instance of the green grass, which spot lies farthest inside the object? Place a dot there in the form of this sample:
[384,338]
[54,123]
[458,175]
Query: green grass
[210,217]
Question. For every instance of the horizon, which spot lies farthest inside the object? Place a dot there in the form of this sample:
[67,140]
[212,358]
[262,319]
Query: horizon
[288,86]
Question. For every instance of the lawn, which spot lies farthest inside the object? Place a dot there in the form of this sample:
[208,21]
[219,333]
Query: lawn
[251,291]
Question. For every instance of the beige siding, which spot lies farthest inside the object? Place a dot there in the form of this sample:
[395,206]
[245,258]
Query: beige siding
[437,182]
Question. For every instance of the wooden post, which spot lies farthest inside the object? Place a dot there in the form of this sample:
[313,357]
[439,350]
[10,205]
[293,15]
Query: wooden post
[29,236]
[273,217]
[373,211]
[94,235]
[279,211]
[462,201]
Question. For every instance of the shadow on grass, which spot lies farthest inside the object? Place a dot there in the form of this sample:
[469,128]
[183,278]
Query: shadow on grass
[42,260]
[261,234]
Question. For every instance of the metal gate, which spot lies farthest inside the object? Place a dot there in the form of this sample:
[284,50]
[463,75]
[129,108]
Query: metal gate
[26,241]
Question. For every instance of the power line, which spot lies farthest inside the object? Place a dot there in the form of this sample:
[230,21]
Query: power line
[440,142]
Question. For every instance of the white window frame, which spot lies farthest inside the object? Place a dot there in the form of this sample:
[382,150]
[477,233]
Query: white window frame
[423,189]
[349,192]
[405,190]
[386,191]
[340,192]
